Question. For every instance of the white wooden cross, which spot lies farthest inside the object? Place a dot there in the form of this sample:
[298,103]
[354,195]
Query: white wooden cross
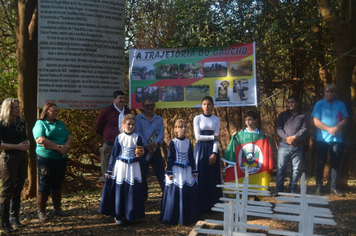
[237,209]
[301,211]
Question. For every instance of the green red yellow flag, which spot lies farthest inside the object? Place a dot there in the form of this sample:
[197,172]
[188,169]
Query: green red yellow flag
[253,150]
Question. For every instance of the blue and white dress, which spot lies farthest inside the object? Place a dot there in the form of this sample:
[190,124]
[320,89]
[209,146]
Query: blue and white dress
[180,203]
[205,129]
[123,195]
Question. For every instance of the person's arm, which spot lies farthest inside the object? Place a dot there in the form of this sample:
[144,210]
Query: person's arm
[64,148]
[191,160]
[23,146]
[48,144]
[198,136]
[160,128]
[100,123]
[139,129]
[338,127]
[171,159]
[139,141]
[216,134]
[304,129]
[114,154]
[320,125]
[214,155]
[280,127]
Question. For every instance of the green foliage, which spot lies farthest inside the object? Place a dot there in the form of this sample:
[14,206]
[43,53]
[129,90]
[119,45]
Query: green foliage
[8,64]
[86,143]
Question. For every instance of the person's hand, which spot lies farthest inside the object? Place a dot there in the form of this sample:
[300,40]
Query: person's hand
[140,151]
[151,145]
[290,140]
[235,132]
[218,137]
[62,149]
[170,177]
[195,175]
[294,143]
[333,130]
[212,159]
[23,146]
[148,147]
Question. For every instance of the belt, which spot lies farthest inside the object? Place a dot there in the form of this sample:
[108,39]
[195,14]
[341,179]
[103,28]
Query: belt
[109,143]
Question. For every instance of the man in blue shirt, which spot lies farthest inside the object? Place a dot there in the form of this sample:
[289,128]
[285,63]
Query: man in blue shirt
[291,129]
[329,116]
[151,129]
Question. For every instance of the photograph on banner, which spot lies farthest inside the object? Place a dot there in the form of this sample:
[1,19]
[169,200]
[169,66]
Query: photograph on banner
[172,93]
[190,70]
[143,72]
[195,92]
[215,69]
[167,71]
[181,77]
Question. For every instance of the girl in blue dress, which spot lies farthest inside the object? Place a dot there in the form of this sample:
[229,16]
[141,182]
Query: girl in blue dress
[180,204]
[206,154]
[122,196]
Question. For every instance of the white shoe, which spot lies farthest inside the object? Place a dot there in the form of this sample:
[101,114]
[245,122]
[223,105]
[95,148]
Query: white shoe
[118,222]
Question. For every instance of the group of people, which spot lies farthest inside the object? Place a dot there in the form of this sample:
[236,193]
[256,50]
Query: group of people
[188,183]
[330,117]
[52,142]
[132,144]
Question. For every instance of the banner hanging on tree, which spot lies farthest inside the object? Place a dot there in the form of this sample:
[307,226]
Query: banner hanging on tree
[181,77]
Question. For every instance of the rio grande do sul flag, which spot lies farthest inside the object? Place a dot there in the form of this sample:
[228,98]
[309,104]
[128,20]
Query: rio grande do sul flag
[249,149]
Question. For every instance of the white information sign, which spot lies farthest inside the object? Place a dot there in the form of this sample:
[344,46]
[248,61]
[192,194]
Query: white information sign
[80,52]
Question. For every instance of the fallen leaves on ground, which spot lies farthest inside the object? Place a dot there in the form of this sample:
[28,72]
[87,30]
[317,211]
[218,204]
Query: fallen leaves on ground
[84,219]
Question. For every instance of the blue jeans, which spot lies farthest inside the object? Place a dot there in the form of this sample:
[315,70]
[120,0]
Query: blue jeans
[336,151]
[286,154]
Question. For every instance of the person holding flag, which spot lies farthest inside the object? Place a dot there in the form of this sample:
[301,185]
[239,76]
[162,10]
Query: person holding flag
[249,148]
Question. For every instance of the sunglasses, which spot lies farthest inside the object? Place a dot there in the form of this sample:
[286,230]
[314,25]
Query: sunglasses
[149,105]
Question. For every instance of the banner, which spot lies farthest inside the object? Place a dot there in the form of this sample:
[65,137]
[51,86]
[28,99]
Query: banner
[181,77]
[253,150]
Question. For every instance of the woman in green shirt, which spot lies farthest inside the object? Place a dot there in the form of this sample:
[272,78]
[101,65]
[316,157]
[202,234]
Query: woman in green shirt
[53,140]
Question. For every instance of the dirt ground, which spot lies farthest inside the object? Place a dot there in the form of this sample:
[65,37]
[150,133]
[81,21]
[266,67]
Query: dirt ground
[82,207]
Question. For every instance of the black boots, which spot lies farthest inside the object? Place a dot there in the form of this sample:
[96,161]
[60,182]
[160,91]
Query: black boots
[16,222]
[5,214]
[41,205]
[57,199]
[15,211]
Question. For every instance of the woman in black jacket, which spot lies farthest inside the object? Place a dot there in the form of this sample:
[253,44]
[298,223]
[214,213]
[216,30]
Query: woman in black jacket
[13,162]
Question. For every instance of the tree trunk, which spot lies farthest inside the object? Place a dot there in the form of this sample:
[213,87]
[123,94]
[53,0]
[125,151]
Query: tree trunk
[26,51]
